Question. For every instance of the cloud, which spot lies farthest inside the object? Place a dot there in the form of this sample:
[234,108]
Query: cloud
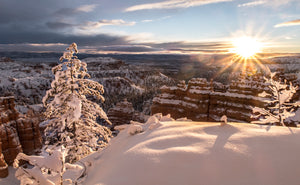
[60,47]
[289,23]
[80,9]
[32,47]
[59,25]
[128,48]
[89,24]
[203,51]
[35,41]
[159,19]
[42,37]
[148,20]
[171,4]
[192,45]
[97,24]
[269,3]
[280,3]
[251,4]
[86,8]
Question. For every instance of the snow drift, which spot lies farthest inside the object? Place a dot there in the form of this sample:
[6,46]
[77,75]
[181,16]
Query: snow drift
[185,152]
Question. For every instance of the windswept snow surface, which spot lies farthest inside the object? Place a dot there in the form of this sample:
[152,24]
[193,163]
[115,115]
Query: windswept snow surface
[193,153]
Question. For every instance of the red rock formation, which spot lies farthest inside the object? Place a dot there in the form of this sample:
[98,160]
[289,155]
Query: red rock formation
[13,129]
[181,101]
[29,134]
[3,164]
[10,142]
[208,101]
[8,134]
[123,113]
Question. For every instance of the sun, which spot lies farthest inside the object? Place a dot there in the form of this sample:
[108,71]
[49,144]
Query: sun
[246,47]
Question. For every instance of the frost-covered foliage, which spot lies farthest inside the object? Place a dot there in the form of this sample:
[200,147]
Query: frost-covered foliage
[71,115]
[280,106]
[46,170]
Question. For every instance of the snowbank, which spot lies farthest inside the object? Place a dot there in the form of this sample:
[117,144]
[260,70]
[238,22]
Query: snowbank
[193,153]
[10,179]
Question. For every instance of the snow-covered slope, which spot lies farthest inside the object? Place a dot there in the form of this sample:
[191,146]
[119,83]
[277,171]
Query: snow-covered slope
[193,153]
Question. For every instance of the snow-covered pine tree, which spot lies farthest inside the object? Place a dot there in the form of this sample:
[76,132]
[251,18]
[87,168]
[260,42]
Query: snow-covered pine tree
[280,106]
[71,116]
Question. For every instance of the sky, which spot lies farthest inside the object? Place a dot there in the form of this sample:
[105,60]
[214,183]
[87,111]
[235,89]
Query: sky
[156,26]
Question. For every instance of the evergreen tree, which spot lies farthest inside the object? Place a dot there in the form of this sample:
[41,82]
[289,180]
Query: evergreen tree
[280,106]
[70,114]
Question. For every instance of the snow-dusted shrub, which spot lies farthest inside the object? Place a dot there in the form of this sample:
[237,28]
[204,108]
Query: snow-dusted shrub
[280,106]
[70,114]
[45,170]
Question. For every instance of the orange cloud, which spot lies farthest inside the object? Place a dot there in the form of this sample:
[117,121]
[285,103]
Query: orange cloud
[289,23]
[171,4]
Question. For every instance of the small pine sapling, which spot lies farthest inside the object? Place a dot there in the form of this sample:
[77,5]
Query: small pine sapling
[280,106]
[46,170]
[70,114]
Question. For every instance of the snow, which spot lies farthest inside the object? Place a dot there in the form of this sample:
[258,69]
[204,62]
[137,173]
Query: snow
[295,118]
[186,152]
[181,152]
[47,169]
[224,120]
[236,95]
[10,179]
[183,119]
[175,102]
[134,129]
